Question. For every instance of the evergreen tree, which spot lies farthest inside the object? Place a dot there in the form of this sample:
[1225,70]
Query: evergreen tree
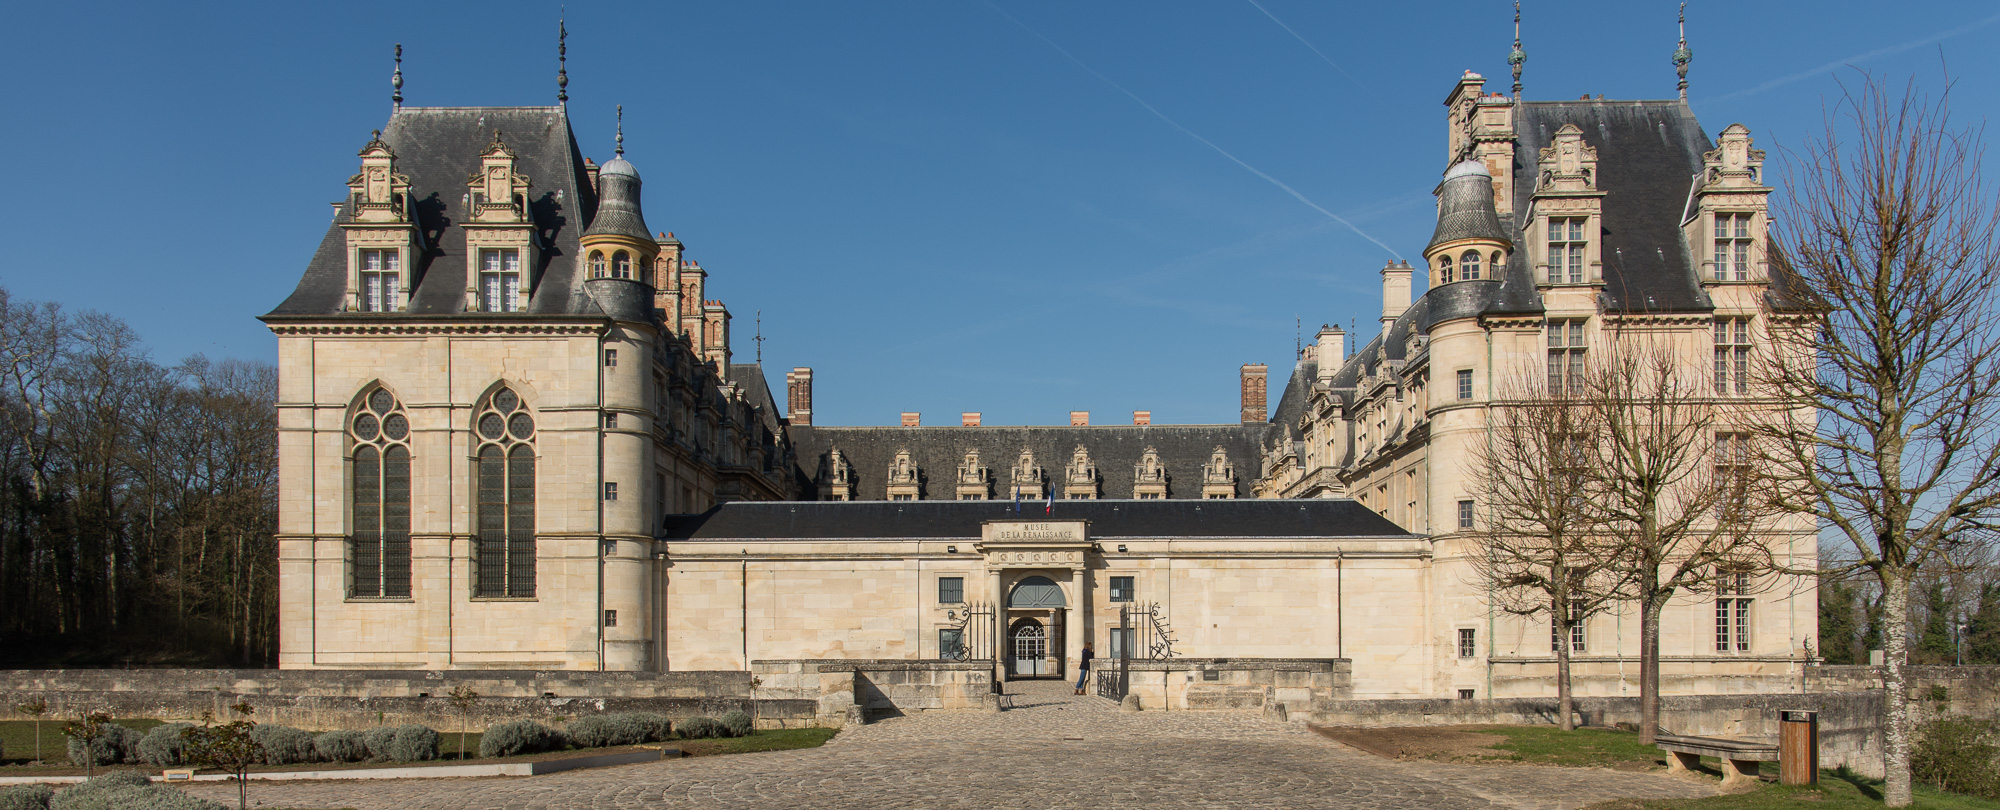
[1871,632]
[1982,630]
[1934,645]
[1837,630]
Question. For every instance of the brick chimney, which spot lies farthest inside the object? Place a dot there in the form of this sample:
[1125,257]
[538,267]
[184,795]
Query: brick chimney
[909,419]
[1254,375]
[1079,418]
[1395,292]
[799,395]
[968,419]
[1142,418]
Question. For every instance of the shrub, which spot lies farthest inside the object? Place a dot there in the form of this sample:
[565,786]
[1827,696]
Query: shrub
[413,743]
[1958,754]
[341,746]
[125,790]
[598,731]
[26,797]
[284,745]
[116,744]
[377,740]
[700,728]
[163,746]
[658,727]
[737,723]
[518,737]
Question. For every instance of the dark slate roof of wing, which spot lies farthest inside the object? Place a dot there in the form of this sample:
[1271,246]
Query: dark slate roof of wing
[1292,401]
[961,520]
[438,148]
[756,391]
[1114,449]
[1648,154]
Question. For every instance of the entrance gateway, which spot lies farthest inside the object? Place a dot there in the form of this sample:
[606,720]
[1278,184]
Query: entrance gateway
[1036,572]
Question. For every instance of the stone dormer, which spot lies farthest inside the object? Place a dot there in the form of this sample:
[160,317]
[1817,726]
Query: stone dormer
[1080,478]
[1568,212]
[1149,477]
[1728,219]
[1218,476]
[975,483]
[836,478]
[905,481]
[1027,477]
[381,234]
[500,244]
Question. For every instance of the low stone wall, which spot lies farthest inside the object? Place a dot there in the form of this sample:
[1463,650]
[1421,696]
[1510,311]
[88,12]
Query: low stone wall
[1236,684]
[1973,691]
[878,687]
[328,699]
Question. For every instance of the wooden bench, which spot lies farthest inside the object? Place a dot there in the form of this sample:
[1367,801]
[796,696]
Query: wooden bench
[1739,757]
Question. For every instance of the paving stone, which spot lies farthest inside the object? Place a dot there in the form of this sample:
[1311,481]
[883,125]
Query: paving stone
[1052,749]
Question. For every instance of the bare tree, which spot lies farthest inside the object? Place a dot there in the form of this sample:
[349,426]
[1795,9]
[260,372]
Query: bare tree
[1894,389]
[1540,548]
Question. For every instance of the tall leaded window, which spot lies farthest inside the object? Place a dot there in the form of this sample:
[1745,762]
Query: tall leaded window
[381,275]
[505,545]
[500,280]
[1732,247]
[1732,612]
[1566,346]
[1468,264]
[380,544]
[1566,245]
[1578,641]
[1732,355]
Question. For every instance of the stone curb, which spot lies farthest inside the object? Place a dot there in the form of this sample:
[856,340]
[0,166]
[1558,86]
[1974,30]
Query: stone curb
[419,772]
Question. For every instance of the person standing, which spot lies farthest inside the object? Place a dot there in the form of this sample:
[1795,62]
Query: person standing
[1083,669]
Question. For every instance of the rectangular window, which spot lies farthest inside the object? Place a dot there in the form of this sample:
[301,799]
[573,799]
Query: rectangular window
[1467,694]
[1732,355]
[1732,625]
[1566,347]
[1464,515]
[500,280]
[1119,645]
[1465,383]
[610,420]
[1732,247]
[1468,642]
[610,358]
[611,618]
[951,590]
[903,497]
[951,643]
[1566,245]
[1576,627]
[381,274]
[611,490]
[1732,471]
[1121,589]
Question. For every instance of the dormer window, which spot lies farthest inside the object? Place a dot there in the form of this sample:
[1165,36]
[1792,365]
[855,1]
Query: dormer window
[1445,272]
[596,264]
[500,280]
[1732,247]
[621,265]
[381,271]
[1469,265]
[1566,245]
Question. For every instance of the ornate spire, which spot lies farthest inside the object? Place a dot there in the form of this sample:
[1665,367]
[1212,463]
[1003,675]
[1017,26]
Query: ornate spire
[1682,56]
[396,81]
[562,61]
[621,131]
[1517,56]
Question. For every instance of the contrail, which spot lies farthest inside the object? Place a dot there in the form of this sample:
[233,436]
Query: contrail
[1837,63]
[1190,133]
[1302,41]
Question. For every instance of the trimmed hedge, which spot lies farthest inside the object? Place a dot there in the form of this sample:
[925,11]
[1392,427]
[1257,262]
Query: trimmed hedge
[738,723]
[117,744]
[519,737]
[163,746]
[658,727]
[413,743]
[125,790]
[284,745]
[26,797]
[701,728]
[341,746]
[602,730]
[377,740]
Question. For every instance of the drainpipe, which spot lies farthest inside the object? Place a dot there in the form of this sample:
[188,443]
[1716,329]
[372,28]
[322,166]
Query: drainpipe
[1486,415]
[599,361]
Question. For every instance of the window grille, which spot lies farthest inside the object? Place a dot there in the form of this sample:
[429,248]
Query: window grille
[1566,249]
[500,280]
[951,590]
[1732,247]
[381,275]
[1732,355]
[1468,646]
[505,539]
[1121,589]
[380,562]
[1566,351]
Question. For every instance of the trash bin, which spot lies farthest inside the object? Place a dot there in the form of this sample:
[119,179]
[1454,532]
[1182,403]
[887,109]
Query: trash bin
[1798,747]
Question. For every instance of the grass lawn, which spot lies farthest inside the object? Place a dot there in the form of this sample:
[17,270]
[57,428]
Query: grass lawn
[18,737]
[782,739]
[1836,791]
[1582,748]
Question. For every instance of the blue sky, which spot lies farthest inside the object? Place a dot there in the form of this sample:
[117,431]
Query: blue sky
[941,206]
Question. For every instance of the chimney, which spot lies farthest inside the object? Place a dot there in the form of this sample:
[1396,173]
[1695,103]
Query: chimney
[1395,292]
[909,419]
[968,419]
[1253,392]
[1142,418]
[799,395]
[1079,418]
[590,169]
[1331,349]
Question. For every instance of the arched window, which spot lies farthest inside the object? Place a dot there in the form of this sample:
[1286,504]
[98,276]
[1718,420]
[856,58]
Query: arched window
[596,264]
[380,562]
[1496,264]
[621,265]
[1444,270]
[1469,264]
[505,542]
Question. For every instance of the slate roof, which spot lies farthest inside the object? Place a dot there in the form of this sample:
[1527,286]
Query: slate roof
[1114,449]
[757,392]
[438,148]
[960,520]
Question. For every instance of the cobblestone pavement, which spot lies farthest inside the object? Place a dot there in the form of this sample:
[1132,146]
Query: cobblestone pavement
[1052,749]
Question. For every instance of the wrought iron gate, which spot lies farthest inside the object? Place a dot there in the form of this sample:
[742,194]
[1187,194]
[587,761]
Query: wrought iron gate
[1141,633]
[970,637]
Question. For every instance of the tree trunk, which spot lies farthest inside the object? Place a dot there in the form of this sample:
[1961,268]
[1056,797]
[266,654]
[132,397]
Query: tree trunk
[1895,685]
[1650,606]
[1565,701]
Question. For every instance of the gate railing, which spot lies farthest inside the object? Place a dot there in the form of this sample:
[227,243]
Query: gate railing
[975,627]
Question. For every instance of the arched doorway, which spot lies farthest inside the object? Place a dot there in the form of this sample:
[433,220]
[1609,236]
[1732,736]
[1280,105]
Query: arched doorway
[1028,648]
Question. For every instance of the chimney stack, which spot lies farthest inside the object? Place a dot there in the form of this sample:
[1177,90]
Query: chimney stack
[968,419]
[799,395]
[1254,375]
[1079,418]
[1395,292]
[1331,350]
[1142,418]
[909,419]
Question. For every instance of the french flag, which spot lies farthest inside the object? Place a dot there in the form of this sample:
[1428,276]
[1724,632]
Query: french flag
[1049,504]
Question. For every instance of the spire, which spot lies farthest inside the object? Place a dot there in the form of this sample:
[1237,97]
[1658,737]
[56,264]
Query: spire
[621,130]
[396,81]
[562,61]
[1682,56]
[1517,56]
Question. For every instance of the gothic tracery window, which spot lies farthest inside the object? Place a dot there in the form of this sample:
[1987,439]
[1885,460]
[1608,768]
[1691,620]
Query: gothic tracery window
[380,543]
[505,544]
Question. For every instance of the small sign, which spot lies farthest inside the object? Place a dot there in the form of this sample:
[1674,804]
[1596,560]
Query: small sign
[1796,715]
[177,775]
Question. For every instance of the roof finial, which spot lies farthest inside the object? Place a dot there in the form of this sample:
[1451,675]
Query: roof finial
[562,60]
[1682,56]
[760,337]
[396,81]
[1517,56]
[621,130]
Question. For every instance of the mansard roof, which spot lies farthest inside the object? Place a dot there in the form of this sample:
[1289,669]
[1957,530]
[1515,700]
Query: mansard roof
[961,520]
[437,148]
[938,451]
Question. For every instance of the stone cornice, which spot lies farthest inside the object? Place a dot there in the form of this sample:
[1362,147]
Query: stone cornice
[437,325]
